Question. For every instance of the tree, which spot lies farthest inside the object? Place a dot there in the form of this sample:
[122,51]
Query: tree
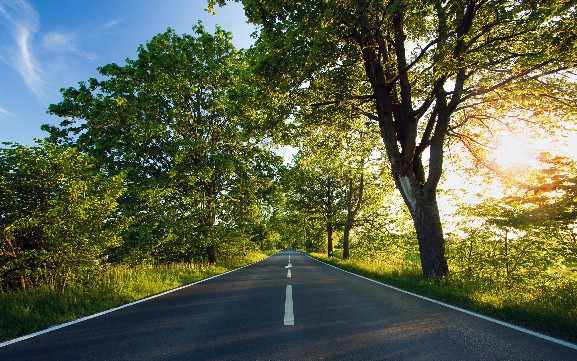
[178,121]
[317,189]
[527,231]
[58,215]
[425,65]
[335,176]
[363,172]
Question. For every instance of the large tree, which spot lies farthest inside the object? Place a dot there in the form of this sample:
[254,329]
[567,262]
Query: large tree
[426,64]
[176,120]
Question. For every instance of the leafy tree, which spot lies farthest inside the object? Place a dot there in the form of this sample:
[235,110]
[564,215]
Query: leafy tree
[365,180]
[499,243]
[317,189]
[552,190]
[425,65]
[178,121]
[288,225]
[336,178]
[549,197]
[58,215]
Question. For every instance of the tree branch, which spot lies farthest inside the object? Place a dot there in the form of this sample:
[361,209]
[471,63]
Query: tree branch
[505,82]
[334,102]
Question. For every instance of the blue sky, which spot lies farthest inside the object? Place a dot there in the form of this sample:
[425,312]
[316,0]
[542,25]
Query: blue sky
[46,45]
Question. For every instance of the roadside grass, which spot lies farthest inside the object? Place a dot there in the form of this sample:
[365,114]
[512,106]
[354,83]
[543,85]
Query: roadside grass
[549,307]
[23,312]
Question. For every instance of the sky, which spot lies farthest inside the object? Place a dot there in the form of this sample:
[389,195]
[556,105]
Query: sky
[47,45]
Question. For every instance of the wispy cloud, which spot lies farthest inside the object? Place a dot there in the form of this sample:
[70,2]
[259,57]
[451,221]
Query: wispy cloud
[5,115]
[64,42]
[112,23]
[23,23]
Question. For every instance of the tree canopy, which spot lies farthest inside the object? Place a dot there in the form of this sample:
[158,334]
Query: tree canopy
[176,121]
[58,215]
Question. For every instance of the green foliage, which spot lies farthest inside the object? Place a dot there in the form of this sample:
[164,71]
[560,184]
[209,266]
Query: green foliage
[58,213]
[336,182]
[178,121]
[497,245]
[524,236]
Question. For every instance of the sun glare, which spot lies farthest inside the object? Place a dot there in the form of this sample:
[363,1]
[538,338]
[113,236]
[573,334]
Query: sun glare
[515,152]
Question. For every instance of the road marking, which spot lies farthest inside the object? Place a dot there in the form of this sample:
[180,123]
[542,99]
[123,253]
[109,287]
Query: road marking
[289,265]
[288,275]
[289,317]
[459,309]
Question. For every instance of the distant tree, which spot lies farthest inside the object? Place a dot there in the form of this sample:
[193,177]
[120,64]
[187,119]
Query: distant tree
[58,215]
[336,178]
[318,190]
[365,179]
[549,198]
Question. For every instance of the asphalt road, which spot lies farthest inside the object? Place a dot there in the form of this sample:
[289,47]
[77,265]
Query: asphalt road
[260,313]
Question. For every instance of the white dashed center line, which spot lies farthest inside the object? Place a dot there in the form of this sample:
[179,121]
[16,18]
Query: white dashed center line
[289,317]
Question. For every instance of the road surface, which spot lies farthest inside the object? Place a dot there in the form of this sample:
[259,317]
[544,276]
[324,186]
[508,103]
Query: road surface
[281,309]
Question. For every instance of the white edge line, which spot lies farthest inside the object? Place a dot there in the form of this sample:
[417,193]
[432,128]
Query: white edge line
[86,318]
[478,315]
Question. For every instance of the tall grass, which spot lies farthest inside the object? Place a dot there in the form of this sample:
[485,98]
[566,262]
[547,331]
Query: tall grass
[22,312]
[548,306]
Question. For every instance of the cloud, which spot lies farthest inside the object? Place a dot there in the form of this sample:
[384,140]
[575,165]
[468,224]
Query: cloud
[23,23]
[5,115]
[110,24]
[63,42]
[57,42]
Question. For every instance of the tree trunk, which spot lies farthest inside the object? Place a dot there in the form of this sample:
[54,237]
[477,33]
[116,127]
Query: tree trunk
[212,247]
[352,210]
[425,213]
[349,221]
[209,222]
[398,127]
[212,254]
[346,239]
[330,238]
[65,281]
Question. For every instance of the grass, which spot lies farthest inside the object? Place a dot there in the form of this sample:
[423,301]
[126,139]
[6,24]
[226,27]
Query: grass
[549,307]
[23,312]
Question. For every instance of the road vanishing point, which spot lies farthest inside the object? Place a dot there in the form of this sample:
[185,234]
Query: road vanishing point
[286,307]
